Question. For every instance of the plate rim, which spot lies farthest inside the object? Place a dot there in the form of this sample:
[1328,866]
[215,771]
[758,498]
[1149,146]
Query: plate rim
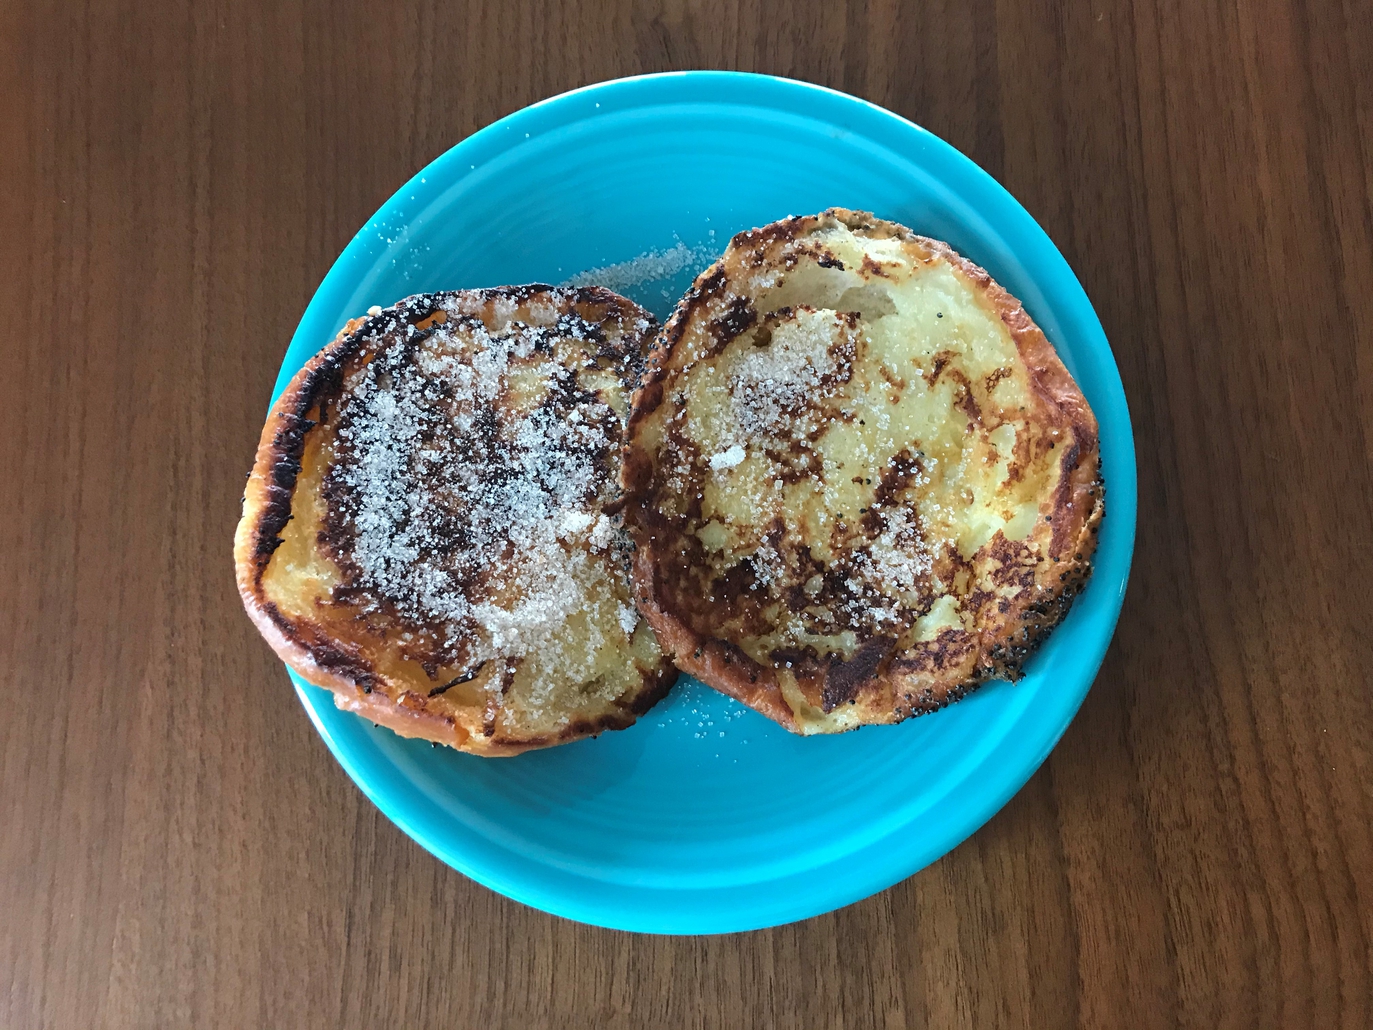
[754,90]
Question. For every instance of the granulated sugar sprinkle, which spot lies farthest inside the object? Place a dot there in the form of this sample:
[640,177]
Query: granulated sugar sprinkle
[463,513]
[646,268]
[769,384]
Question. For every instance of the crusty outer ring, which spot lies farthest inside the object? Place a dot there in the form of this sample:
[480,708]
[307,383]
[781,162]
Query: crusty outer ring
[411,715]
[725,666]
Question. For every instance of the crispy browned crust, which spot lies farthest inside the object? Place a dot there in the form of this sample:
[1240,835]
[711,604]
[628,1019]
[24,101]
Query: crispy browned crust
[415,715]
[306,646]
[879,685]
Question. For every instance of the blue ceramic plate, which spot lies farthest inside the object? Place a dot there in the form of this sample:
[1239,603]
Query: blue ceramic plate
[705,817]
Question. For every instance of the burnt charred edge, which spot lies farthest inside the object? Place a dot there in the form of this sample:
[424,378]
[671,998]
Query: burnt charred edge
[844,678]
[866,222]
[466,677]
[525,292]
[288,444]
[641,403]
[928,700]
[408,311]
[646,699]
[415,309]
[784,231]
[339,662]
[324,654]
[1038,620]
[267,545]
[1037,623]
[707,284]
[320,385]
[407,342]
[620,717]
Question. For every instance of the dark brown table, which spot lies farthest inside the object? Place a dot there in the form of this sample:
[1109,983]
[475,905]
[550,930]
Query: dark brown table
[177,847]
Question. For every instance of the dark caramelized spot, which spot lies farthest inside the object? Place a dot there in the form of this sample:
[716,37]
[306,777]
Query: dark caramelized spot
[994,377]
[738,317]
[937,366]
[870,268]
[843,678]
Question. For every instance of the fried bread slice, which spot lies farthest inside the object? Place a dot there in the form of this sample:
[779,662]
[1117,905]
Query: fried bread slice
[429,528]
[859,478]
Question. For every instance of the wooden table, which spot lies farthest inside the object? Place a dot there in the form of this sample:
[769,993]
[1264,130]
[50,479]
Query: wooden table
[177,847]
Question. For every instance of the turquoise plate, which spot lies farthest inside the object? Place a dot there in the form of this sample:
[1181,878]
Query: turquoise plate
[705,817]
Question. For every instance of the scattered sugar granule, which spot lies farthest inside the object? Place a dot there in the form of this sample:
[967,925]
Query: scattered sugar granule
[574,522]
[646,268]
[727,459]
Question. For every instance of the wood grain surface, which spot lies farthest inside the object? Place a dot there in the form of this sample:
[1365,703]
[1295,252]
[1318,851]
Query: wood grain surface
[177,847]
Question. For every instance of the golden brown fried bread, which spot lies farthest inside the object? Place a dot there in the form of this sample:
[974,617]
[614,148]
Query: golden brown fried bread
[428,530]
[859,478]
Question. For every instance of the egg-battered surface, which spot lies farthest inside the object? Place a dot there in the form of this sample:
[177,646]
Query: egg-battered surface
[431,528]
[859,478]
